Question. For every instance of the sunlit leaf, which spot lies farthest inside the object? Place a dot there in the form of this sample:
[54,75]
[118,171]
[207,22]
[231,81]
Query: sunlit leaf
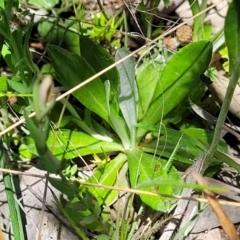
[72,70]
[106,176]
[177,81]
[147,78]
[145,169]
[128,94]
[71,144]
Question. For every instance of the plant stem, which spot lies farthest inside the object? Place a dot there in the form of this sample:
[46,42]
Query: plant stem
[223,113]
[102,9]
[195,8]
[150,19]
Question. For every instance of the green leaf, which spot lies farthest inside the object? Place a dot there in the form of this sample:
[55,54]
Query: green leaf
[71,144]
[89,219]
[205,136]
[101,133]
[147,171]
[75,226]
[52,33]
[166,3]
[13,204]
[75,214]
[106,176]
[73,70]
[32,67]
[228,159]
[224,54]
[232,33]
[2,4]
[46,4]
[164,146]
[17,86]
[147,78]
[99,59]
[4,25]
[65,187]
[128,95]
[198,24]
[121,182]
[103,237]
[165,141]
[3,84]
[117,122]
[6,53]
[178,79]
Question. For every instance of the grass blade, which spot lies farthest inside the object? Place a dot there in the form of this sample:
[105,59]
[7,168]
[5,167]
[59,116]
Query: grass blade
[232,33]
[14,210]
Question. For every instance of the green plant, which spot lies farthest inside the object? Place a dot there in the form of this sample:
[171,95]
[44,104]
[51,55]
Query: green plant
[14,37]
[126,118]
[123,118]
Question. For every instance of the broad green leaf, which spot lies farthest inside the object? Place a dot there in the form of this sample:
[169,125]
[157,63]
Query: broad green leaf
[147,171]
[76,116]
[128,95]
[121,182]
[147,78]
[24,152]
[73,70]
[177,81]
[98,57]
[100,133]
[46,4]
[117,122]
[106,176]
[71,144]
[232,33]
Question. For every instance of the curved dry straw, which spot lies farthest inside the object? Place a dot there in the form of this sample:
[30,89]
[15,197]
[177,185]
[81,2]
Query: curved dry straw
[129,190]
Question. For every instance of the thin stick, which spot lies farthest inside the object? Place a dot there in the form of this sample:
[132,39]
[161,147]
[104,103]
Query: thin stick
[135,191]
